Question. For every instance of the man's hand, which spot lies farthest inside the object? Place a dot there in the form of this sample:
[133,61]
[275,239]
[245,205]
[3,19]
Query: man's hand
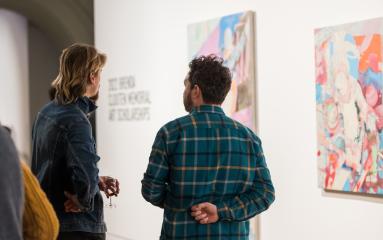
[72,204]
[110,186]
[205,213]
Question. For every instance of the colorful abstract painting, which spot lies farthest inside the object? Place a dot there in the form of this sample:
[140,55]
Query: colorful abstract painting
[349,106]
[232,38]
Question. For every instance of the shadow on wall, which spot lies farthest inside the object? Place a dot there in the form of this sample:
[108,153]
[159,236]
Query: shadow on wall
[355,196]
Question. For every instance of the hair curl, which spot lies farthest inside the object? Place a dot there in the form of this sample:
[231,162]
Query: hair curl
[209,74]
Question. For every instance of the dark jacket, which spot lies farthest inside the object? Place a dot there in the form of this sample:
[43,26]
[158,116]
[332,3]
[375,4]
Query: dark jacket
[11,200]
[64,159]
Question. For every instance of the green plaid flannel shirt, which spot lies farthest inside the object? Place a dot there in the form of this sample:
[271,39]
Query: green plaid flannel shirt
[207,157]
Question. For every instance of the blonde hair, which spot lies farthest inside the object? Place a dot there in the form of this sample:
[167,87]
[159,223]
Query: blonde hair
[77,63]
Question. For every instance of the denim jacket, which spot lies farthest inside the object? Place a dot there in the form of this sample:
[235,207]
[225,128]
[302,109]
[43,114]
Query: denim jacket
[64,159]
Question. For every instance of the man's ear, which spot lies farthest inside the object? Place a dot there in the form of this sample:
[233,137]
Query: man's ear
[92,78]
[196,91]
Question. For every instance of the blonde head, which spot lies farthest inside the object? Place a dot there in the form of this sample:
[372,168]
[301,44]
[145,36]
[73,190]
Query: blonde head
[77,63]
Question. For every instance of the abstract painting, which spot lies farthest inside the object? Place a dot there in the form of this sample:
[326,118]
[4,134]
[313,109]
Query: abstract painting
[231,38]
[349,85]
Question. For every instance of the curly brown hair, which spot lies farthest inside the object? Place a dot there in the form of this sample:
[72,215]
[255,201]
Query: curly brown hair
[211,76]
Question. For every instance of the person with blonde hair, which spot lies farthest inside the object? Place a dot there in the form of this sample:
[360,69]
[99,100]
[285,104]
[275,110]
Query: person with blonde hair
[39,218]
[64,157]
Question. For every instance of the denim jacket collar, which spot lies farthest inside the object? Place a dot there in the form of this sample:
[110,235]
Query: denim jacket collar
[86,105]
[208,108]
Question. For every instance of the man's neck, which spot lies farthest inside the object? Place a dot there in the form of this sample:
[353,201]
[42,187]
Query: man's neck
[210,104]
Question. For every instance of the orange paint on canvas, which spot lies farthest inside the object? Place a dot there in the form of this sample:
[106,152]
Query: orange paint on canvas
[372,56]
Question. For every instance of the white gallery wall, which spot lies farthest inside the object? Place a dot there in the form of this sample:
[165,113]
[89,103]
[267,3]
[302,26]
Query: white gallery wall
[14,97]
[146,44]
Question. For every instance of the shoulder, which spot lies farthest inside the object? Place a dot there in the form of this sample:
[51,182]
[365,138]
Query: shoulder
[245,131]
[65,116]
[176,125]
[8,150]
[10,171]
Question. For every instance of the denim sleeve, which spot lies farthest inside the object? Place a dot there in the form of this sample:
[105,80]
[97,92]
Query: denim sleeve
[156,176]
[254,201]
[82,163]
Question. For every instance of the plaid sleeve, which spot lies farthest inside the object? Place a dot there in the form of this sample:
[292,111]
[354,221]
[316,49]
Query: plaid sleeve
[155,178]
[256,200]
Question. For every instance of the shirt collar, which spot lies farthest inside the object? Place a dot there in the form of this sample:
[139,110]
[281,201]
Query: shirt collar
[208,109]
[86,105]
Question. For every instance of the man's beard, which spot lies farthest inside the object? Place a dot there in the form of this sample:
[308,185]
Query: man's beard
[188,104]
[95,97]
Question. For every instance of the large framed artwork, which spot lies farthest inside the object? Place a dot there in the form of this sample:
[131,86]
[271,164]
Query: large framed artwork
[232,38]
[349,84]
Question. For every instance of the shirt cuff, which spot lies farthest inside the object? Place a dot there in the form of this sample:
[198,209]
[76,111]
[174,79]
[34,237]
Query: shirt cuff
[224,212]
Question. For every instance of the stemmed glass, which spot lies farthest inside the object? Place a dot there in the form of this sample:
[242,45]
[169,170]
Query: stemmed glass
[110,181]
[109,203]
